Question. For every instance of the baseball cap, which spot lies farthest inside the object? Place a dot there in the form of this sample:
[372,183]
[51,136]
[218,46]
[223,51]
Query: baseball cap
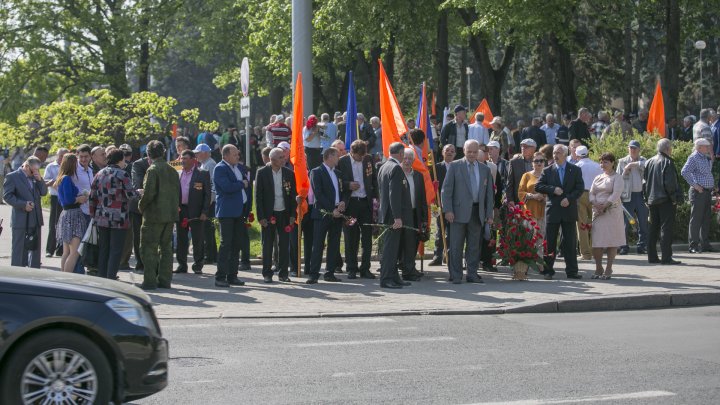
[634,144]
[581,150]
[528,142]
[125,148]
[284,145]
[493,144]
[202,148]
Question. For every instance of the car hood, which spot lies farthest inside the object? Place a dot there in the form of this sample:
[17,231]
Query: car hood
[67,285]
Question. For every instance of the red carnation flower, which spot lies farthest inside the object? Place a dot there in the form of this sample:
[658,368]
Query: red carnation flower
[511,261]
[289,228]
[251,217]
[248,225]
[521,203]
[537,228]
[517,244]
[184,223]
[533,223]
[273,220]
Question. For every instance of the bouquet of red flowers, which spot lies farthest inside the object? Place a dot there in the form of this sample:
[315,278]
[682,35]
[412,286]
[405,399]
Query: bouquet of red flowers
[716,206]
[519,240]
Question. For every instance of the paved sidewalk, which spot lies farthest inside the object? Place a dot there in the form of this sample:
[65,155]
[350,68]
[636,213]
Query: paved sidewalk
[635,285]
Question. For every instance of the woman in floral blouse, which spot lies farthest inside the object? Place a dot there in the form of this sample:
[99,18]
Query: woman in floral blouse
[110,195]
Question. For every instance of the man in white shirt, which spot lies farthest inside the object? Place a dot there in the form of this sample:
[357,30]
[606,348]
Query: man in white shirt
[551,129]
[590,169]
[477,130]
[83,180]
[51,173]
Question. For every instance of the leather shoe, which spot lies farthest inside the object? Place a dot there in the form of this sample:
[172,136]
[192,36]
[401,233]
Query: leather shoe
[548,276]
[411,277]
[390,284]
[436,261]
[244,267]
[367,274]
[197,270]
[284,279]
[160,285]
[236,281]
[477,280]
[267,279]
[312,280]
[653,260]
[180,270]
[352,275]
[331,278]
[221,283]
[694,250]
[708,249]
[148,287]
[402,283]
[574,276]
[623,251]
[671,261]
[641,250]
[457,281]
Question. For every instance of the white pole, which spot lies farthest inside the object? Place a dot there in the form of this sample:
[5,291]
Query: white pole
[302,49]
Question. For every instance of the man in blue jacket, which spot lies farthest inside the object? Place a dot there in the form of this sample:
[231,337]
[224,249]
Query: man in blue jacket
[231,209]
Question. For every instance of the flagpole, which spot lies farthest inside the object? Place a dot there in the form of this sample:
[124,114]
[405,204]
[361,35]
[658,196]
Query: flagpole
[299,232]
[438,200]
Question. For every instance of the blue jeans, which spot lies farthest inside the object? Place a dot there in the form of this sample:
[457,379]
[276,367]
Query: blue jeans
[637,208]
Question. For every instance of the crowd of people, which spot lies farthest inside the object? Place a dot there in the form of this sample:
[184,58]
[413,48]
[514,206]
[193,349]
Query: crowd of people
[179,190]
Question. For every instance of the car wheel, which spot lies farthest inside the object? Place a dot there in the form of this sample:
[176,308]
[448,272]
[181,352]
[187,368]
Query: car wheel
[56,367]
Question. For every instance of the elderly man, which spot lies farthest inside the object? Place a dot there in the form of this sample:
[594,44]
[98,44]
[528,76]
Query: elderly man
[329,131]
[590,170]
[207,163]
[467,198]
[662,193]
[448,154]
[23,189]
[641,123]
[279,131]
[456,132]
[377,128]
[195,196]
[366,132]
[159,207]
[519,165]
[702,128]
[563,183]
[535,133]
[686,133]
[579,127]
[98,155]
[340,146]
[550,128]
[477,130]
[697,171]
[632,167]
[50,176]
[419,219]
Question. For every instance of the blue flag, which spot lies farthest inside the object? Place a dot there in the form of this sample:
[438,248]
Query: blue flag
[351,127]
[423,117]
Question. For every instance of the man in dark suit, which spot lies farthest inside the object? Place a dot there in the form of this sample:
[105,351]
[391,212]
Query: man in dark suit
[456,132]
[366,131]
[416,200]
[563,184]
[327,214]
[392,185]
[275,205]
[22,190]
[448,153]
[535,133]
[232,207]
[139,168]
[579,127]
[518,166]
[195,195]
[360,188]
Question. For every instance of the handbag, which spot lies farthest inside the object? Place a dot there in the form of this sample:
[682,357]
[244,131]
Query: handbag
[31,234]
[89,249]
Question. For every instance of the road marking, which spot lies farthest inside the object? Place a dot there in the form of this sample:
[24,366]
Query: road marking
[239,323]
[353,374]
[596,398]
[375,341]
[198,382]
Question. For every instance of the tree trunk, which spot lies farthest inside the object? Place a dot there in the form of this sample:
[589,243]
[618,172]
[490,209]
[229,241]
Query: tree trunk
[442,63]
[672,57]
[463,75]
[276,96]
[144,67]
[374,77]
[565,76]
[390,59]
[548,98]
[627,90]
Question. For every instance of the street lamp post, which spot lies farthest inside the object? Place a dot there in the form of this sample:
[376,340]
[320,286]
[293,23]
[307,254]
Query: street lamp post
[700,45]
[468,72]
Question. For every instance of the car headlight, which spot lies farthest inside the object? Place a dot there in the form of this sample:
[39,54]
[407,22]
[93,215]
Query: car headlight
[131,311]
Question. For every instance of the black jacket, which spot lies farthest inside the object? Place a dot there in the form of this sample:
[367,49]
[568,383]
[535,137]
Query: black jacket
[448,134]
[139,168]
[367,134]
[661,181]
[199,194]
[536,134]
[369,176]
[573,187]
[265,192]
[322,185]
[579,130]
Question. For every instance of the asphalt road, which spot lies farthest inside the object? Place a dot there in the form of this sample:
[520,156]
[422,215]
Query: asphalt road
[669,356]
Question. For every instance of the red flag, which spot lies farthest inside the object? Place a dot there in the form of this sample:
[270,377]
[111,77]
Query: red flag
[484,108]
[174,131]
[432,105]
[656,116]
[297,150]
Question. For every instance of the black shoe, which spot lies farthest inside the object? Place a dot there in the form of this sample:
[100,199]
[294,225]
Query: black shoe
[477,280]
[164,285]
[653,260]
[623,250]
[574,276]
[390,284]
[284,279]
[274,269]
[352,275]
[197,270]
[491,269]
[402,283]
[411,277]
[221,283]
[180,270]
[671,261]
[331,278]
[338,270]
[548,276]
[148,287]
[267,279]
[244,267]
[236,281]
[48,255]
[694,250]
[708,249]
[367,274]
[641,250]
[311,280]
[436,261]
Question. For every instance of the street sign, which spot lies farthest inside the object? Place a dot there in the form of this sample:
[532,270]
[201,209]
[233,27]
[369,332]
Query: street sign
[245,77]
[245,107]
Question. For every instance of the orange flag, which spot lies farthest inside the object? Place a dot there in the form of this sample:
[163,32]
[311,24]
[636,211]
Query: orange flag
[432,105]
[484,108]
[656,116]
[174,131]
[297,150]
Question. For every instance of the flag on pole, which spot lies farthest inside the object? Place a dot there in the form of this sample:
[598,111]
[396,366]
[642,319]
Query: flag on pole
[483,108]
[656,116]
[446,111]
[297,150]
[432,105]
[351,126]
[423,122]
[174,131]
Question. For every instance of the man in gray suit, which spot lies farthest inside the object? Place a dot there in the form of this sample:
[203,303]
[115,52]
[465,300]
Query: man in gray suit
[467,197]
[23,189]
[394,189]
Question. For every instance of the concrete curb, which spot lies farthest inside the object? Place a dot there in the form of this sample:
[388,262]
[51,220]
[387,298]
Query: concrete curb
[614,303]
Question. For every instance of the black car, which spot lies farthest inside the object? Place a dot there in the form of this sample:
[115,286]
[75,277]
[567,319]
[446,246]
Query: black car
[73,339]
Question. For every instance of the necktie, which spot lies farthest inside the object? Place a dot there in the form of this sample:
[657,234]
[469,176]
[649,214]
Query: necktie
[474,182]
[561,172]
